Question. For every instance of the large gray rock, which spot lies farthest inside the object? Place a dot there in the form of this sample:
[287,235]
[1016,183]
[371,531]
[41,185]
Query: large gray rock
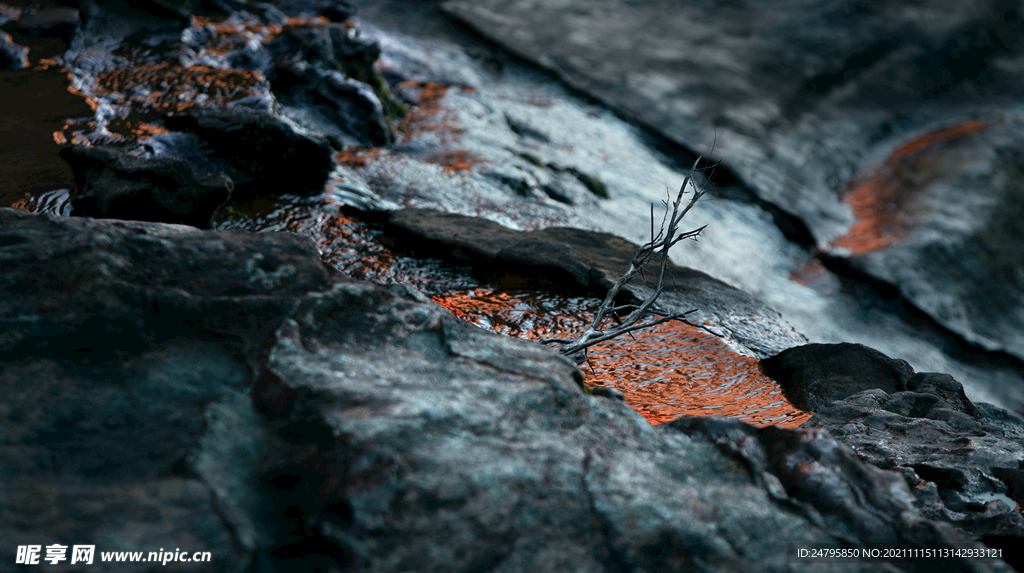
[947,230]
[223,392]
[813,375]
[961,459]
[126,361]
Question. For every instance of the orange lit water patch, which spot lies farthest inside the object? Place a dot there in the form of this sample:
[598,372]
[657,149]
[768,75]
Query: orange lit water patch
[814,275]
[428,116]
[454,160]
[666,372]
[357,157]
[166,86]
[878,198]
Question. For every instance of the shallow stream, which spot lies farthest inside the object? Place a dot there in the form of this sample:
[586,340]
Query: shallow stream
[665,372]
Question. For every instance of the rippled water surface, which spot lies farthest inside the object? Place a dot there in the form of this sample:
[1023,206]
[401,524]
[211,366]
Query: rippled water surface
[667,371]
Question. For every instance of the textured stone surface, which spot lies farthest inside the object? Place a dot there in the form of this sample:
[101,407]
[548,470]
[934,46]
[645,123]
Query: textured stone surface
[962,459]
[223,391]
[126,361]
[963,468]
[263,153]
[113,184]
[814,375]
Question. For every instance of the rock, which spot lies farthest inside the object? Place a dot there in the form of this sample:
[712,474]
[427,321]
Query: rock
[961,459]
[954,255]
[223,391]
[60,22]
[150,14]
[789,96]
[329,70]
[12,56]
[827,479]
[114,184]
[333,10]
[265,154]
[594,261]
[125,362]
[814,375]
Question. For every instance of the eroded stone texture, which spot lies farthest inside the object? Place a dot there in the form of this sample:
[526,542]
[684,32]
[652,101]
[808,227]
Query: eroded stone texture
[114,184]
[963,467]
[222,391]
[962,459]
[126,363]
[261,151]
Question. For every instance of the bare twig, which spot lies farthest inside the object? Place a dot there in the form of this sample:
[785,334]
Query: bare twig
[660,243]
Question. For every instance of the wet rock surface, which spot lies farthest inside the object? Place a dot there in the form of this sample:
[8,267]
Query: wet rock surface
[243,399]
[814,375]
[264,154]
[113,184]
[12,56]
[961,459]
[299,419]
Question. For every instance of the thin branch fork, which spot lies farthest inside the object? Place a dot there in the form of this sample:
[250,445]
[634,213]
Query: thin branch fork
[659,245]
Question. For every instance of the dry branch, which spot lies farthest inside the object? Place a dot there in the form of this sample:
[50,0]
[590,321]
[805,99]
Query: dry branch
[659,245]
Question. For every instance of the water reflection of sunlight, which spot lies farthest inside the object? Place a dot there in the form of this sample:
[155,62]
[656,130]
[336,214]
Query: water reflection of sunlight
[665,372]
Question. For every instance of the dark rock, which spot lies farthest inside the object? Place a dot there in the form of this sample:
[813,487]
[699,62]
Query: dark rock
[947,389]
[222,391]
[309,61]
[126,362]
[333,10]
[12,56]
[111,21]
[611,393]
[592,260]
[264,154]
[120,286]
[814,375]
[160,13]
[827,480]
[114,184]
[60,22]
[961,459]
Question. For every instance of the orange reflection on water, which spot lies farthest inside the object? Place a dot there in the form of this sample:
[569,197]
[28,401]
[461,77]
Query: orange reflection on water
[666,372]
[165,86]
[454,160]
[429,115]
[878,198]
